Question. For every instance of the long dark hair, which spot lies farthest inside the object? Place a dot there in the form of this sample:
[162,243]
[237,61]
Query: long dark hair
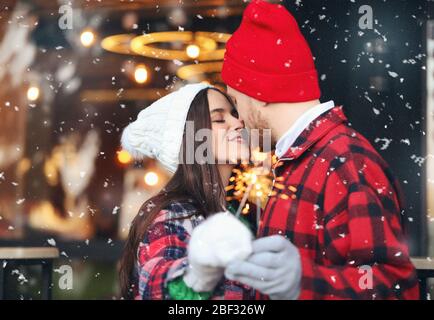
[199,183]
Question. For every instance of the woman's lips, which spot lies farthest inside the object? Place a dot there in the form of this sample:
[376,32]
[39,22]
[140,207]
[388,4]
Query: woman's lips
[236,138]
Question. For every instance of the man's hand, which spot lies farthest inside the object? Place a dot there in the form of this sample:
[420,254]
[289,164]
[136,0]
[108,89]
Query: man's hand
[274,268]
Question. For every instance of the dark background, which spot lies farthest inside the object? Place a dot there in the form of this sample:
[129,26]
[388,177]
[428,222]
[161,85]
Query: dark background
[350,81]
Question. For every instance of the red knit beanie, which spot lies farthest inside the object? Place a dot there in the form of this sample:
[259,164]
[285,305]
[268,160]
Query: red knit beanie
[268,58]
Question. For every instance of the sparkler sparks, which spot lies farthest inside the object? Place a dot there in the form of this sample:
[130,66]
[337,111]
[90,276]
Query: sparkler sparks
[254,184]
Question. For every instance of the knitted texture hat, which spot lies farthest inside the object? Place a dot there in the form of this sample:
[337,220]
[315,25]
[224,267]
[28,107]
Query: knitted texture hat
[267,57]
[157,133]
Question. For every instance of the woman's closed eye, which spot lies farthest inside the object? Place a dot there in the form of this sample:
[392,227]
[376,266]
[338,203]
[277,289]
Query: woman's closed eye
[217,115]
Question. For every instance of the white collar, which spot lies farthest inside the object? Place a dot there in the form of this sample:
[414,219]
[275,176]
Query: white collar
[288,139]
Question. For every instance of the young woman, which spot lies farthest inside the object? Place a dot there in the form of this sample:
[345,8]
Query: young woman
[156,263]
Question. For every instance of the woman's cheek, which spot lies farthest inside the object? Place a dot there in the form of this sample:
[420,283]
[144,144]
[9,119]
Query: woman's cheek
[217,144]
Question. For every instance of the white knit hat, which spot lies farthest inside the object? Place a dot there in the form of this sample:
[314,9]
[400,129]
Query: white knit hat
[157,132]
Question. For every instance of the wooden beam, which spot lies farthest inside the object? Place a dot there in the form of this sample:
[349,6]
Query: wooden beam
[21,253]
[423,263]
[135,94]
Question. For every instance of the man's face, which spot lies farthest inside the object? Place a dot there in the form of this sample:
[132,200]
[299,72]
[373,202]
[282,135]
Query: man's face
[248,109]
[251,112]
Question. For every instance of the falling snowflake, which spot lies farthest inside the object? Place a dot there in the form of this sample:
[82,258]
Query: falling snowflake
[288,64]
[115,210]
[405,141]
[21,278]
[418,160]
[149,206]
[393,74]
[386,142]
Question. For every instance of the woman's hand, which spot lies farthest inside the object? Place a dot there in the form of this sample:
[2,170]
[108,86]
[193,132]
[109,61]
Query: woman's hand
[215,243]
[202,278]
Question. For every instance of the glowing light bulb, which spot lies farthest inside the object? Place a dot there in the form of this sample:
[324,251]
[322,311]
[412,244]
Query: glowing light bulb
[87,38]
[33,93]
[124,157]
[193,51]
[141,74]
[151,178]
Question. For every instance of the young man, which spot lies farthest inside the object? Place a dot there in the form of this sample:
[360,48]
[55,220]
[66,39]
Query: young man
[331,228]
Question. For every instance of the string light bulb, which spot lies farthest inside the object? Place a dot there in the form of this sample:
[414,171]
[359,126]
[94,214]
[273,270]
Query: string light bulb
[151,178]
[124,157]
[33,93]
[193,51]
[87,38]
[141,74]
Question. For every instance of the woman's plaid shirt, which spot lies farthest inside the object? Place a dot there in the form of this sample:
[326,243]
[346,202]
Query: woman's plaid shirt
[162,255]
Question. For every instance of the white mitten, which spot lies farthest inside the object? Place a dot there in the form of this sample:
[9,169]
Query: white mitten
[214,244]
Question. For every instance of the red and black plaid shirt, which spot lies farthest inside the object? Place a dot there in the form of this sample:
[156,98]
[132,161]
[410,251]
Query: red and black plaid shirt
[336,199]
[162,255]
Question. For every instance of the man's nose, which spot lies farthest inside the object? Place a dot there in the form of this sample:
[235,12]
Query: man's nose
[238,124]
